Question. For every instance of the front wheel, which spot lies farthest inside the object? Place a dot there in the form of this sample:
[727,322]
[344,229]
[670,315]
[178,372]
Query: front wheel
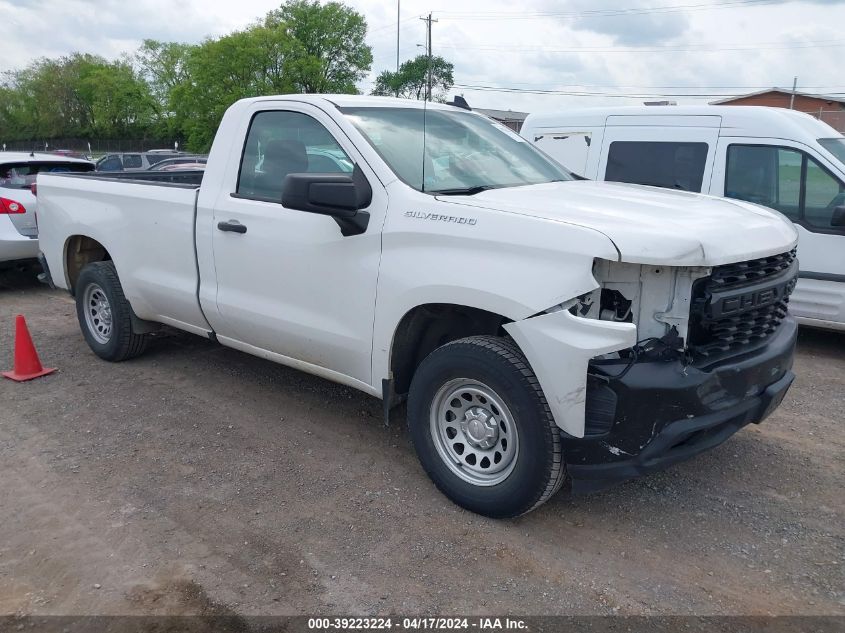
[482,428]
[105,315]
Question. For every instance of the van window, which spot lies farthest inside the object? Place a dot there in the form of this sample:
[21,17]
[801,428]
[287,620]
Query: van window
[570,149]
[660,164]
[765,175]
[824,194]
[835,146]
[787,180]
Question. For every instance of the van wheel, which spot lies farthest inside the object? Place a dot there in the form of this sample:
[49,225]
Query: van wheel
[105,315]
[482,428]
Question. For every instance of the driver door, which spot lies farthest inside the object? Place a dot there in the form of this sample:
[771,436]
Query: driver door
[288,282]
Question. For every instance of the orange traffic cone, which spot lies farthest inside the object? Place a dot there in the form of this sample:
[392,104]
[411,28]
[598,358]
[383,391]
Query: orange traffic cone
[27,365]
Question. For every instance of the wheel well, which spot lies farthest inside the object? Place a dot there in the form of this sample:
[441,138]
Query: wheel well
[427,327]
[82,250]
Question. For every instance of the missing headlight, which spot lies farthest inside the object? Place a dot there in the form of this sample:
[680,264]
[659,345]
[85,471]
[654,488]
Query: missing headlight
[615,307]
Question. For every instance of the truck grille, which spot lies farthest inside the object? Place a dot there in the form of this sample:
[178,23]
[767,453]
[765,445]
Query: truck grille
[740,304]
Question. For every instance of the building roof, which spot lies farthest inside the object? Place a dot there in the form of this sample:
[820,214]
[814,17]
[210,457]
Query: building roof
[782,91]
[502,115]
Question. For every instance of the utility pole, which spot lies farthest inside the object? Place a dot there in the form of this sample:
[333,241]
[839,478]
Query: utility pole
[398,5]
[794,86]
[428,22]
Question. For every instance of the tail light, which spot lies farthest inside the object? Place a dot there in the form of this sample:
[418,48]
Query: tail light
[10,206]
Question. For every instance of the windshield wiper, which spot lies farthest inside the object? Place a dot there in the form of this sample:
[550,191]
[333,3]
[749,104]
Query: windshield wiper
[463,191]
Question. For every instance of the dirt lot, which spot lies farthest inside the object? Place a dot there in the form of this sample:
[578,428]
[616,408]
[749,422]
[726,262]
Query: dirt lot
[197,479]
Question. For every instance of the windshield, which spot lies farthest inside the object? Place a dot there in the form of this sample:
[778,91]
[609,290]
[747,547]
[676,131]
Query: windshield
[464,152]
[22,175]
[835,146]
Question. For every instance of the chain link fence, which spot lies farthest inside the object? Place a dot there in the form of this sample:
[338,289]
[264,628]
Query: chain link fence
[834,118]
[82,145]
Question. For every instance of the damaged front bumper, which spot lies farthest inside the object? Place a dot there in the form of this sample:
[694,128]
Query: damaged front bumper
[659,412]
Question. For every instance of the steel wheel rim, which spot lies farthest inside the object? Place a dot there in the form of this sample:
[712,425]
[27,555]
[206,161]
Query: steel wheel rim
[474,432]
[98,315]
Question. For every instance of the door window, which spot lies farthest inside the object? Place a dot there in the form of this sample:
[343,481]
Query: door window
[132,161]
[787,180]
[766,175]
[281,143]
[660,164]
[110,163]
[824,194]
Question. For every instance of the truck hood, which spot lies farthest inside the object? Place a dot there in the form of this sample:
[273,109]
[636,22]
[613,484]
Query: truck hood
[650,225]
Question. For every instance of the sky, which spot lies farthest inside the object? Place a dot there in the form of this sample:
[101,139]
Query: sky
[532,56]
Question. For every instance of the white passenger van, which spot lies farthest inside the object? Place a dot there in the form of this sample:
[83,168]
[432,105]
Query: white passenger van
[778,158]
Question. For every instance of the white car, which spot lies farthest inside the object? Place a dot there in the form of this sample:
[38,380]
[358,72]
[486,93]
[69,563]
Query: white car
[548,332]
[18,227]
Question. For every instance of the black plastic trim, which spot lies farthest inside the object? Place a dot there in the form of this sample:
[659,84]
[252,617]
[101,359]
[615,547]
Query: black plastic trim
[45,277]
[192,179]
[821,276]
[669,410]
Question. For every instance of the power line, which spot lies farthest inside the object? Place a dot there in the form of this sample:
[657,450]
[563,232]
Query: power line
[392,25]
[529,15]
[697,48]
[593,13]
[687,87]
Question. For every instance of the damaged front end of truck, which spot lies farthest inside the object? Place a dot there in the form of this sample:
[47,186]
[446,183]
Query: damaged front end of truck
[700,352]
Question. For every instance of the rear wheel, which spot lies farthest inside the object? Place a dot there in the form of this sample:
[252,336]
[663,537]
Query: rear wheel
[482,428]
[104,314]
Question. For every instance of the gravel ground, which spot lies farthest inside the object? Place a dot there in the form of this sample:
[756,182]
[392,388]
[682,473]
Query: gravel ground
[199,480]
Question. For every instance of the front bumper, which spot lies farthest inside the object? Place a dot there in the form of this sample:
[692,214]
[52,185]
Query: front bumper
[662,412]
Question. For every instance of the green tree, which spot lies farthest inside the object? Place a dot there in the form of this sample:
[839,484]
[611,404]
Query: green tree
[77,95]
[164,66]
[176,90]
[51,91]
[411,81]
[243,64]
[329,52]
[301,47]
[121,103]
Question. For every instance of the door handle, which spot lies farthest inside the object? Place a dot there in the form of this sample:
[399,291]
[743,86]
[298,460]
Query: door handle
[232,226]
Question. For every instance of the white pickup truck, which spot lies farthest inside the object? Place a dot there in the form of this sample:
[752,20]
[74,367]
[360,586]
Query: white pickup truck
[547,331]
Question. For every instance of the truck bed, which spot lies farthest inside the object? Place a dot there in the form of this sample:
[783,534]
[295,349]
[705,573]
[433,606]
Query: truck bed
[146,222]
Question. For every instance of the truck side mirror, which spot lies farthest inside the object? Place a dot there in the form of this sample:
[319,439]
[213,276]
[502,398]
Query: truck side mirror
[838,218]
[341,196]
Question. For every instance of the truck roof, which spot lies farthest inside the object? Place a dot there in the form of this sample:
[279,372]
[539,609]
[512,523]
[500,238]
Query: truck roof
[352,101]
[735,120]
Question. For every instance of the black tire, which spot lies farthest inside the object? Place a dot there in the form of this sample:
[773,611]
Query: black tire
[498,364]
[122,342]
